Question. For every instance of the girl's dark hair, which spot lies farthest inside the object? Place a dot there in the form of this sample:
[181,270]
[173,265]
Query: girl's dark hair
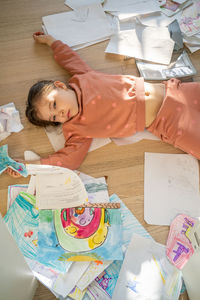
[38,90]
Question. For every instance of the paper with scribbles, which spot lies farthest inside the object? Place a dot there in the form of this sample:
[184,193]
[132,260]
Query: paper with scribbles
[171,187]
[62,190]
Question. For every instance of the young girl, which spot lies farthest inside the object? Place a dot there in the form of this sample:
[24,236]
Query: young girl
[102,105]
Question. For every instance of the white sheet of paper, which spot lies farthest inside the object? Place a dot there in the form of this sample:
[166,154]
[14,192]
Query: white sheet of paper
[66,282]
[54,191]
[171,187]
[91,273]
[146,273]
[83,25]
[136,9]
[146,43]
[78,3]
[191,275]
[143,135]
[156,19]
[17,281]
[139,6]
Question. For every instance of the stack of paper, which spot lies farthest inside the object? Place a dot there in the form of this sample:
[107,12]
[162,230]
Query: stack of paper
[80,279]
[84,26]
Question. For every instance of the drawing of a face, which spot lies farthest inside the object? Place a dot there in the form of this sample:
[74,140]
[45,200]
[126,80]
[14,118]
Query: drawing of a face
[81,229]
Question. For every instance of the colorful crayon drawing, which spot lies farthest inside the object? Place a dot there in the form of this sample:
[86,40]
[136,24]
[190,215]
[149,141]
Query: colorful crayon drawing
[179,247]
[171,5]
[80,234]
[22,220]
[81,228]
[13,192]
[190,19]
[77,294]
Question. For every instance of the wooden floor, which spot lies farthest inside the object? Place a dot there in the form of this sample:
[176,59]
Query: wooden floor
[22,63]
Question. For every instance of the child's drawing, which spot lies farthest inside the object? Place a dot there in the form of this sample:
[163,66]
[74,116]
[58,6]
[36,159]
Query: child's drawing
[171,5]
[80,234]
[179,247]
[130,225]
[190,19]
[22,220]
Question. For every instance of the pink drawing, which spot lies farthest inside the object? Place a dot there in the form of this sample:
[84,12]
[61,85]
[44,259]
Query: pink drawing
[179,247]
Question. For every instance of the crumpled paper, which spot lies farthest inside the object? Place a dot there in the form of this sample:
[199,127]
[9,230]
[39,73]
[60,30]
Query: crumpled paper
[9,120]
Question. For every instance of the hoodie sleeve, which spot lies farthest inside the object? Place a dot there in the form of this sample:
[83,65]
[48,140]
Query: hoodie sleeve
[72,155]
[69,59]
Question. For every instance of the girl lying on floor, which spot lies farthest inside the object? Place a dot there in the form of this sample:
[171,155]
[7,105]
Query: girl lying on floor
[99,105]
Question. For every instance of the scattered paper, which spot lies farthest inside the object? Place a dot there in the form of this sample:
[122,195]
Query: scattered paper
[93,270]
[171,7]
[146,273]
[171,187]
[191,275]
[141,135]
[66,282]
[129,8]
[60,191]
[182,67]
[146,43]
[179,247]
[156,19]
[74,4]
[86,24]
[190,19]
[9,120]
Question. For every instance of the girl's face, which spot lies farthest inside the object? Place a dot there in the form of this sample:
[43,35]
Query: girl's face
[60,105]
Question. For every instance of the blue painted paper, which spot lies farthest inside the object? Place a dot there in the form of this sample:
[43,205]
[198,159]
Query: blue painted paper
[80,234]
[7,162]
[22,220]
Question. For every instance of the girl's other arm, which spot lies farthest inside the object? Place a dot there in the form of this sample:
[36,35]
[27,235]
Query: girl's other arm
[72,155]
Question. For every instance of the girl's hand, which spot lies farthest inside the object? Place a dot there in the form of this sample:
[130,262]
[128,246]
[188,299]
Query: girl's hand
[12,173]
[42,38]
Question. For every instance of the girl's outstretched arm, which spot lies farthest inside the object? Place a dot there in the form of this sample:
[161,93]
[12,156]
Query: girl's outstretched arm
[63,54]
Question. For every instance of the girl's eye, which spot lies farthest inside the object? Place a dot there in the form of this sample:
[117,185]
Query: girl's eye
[54,104]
